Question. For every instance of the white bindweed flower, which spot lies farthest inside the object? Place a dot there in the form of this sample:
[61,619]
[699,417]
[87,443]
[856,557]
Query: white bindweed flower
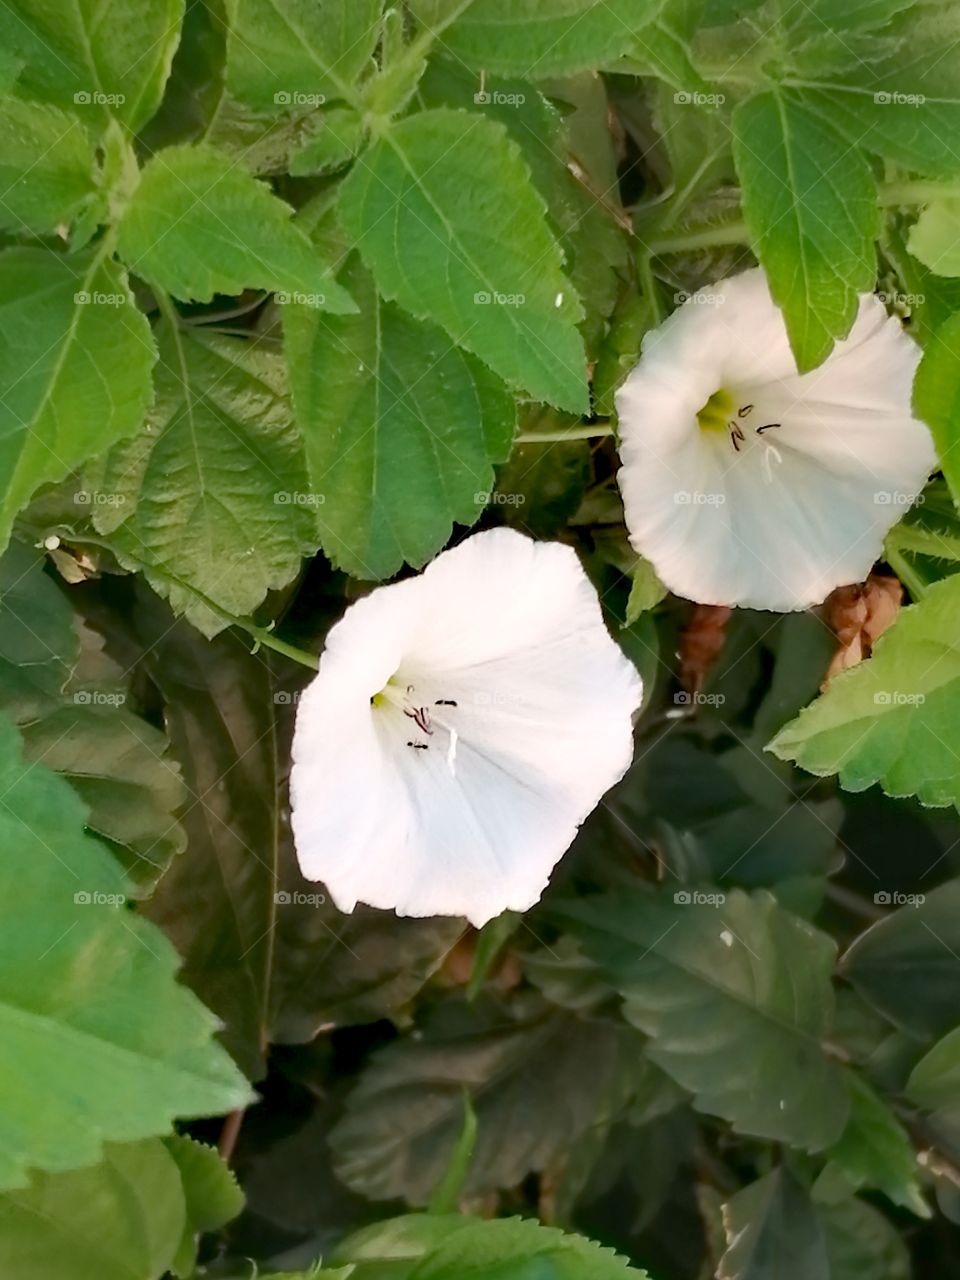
[462,725]
[747,483]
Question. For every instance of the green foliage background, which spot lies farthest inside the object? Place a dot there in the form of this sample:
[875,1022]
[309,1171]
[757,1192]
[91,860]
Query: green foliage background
[292,292]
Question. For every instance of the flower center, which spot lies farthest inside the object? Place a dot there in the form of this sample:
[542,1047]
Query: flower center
[717,412]
[426,713]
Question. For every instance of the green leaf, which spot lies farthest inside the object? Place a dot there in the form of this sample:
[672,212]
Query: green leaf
[809,201]
[862,1243]
[101,59]
[541,485]
[874,1151]
[113,759]
[934,1080]
[118,764]
[420,208]
[199,224]
[936,397]
[400,430]
[339,140]
[935,237]
[285,55]
[122,1219]
[100,1041]
[211,1193]
[46,167]
[891,719]
[38,646]
[75,362]
[646,591]
[905,965]
[404,1118]
[899,96]
[773,1233]
[213,490]
[736,998]
[535,38]
[421,1247]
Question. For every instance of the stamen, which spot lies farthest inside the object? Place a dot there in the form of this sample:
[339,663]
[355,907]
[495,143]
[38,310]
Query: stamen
[418,746]
[444,702]
[770,426]
[742,412]
[770,452]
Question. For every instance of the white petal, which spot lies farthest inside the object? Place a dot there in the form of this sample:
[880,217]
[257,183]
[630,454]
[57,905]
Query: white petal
[799,509]
[510,631]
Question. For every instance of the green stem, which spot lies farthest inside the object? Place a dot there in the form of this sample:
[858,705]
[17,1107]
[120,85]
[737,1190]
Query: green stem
[263,635]
[700,238]
[920,191]
[567,433]
[904,571]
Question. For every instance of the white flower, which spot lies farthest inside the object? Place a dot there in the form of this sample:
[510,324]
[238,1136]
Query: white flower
[746,483]
[462,725]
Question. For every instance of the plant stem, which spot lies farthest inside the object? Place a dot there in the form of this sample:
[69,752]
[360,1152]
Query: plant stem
[263,635]
[567,433]
[700,238]
[920,191]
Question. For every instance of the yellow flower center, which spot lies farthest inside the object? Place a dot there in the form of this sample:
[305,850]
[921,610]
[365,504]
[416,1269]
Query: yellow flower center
[717,412]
